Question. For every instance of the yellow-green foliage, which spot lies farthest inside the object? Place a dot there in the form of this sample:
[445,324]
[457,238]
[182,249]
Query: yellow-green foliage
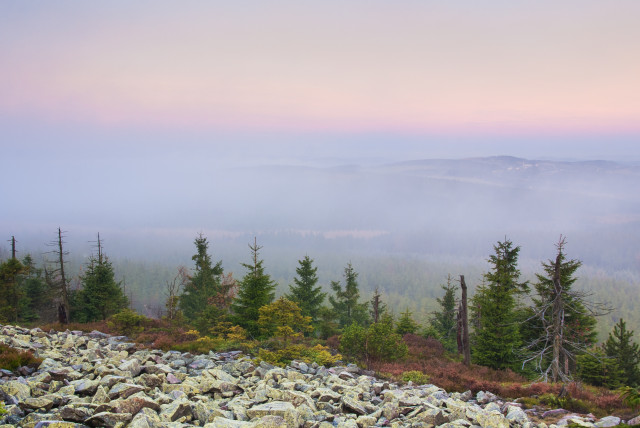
[201,345]
[237,334]
[127,322]
[568,403]
[630,396]
[283,319]
[415,376]
[529,402]
[318,354]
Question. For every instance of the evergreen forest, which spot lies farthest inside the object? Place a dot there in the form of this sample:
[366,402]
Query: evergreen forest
[556,325]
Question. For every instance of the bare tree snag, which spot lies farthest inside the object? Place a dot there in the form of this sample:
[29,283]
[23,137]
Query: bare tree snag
[465,323]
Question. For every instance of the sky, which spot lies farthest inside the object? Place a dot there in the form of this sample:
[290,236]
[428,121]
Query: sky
[495,73]
[133,100]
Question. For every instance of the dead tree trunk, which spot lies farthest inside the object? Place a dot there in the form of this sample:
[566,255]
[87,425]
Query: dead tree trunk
[558,322]
[465,323]
[13,247]
[459,329]
[63,310]
[376,306]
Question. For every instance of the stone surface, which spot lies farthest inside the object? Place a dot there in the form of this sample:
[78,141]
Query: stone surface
[97,380]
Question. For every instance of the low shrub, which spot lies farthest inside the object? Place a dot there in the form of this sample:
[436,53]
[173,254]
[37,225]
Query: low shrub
[630,396]
[281,357]
[415,376]
[127,322]
[201,345]
[568,403]
[11,358]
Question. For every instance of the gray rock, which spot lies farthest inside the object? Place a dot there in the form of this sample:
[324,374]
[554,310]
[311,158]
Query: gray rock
[132,366]
[608,421]
[516,414]
[483,397]
[123,390]
[86,386]
[176,410]
[108,419]
[220,422]
[134,404]
[76,413]
[352,405]
[146,418]
[40,403]
[491,420]
[634,421]
[57,424]
[283,409]
[15,389]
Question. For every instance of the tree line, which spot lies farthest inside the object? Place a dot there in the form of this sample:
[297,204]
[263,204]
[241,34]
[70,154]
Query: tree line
[544,328]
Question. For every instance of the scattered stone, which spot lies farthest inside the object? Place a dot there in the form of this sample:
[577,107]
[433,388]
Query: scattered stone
[97,380]
[608,421]
[108,419]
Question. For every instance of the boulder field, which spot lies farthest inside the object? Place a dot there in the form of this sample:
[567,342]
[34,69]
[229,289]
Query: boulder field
[96,380]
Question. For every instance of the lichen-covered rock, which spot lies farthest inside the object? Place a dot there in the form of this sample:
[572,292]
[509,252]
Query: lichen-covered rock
[173,411]
[146,418]
[40,403]
[220,422]
[108,419]
[123,390]
[283,409]
[134,404]
[516,414]
[76,412]
[97,380]
[58,424]
[491,420]
[15,389]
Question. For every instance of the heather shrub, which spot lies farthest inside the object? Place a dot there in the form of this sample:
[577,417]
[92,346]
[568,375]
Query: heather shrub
[11,358]
[423,347]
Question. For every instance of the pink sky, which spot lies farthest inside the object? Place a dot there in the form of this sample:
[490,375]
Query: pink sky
[515,67]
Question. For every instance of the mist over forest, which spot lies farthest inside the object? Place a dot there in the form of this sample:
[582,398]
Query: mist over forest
[404,225]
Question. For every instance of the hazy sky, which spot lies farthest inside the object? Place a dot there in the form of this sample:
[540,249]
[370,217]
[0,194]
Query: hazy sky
[412,71]
[134,100]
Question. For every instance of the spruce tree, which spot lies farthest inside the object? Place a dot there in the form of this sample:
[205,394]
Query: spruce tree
[559,327]
[255,290]
[406,324]
[444,321]
[596,368]
[621,347]
[34,291]
[202,287]
[101,296]
[497,337]
[305,293]
[378,307]
[10,293]
[346,303]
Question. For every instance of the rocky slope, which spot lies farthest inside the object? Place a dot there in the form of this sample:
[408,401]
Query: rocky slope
[91,379]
